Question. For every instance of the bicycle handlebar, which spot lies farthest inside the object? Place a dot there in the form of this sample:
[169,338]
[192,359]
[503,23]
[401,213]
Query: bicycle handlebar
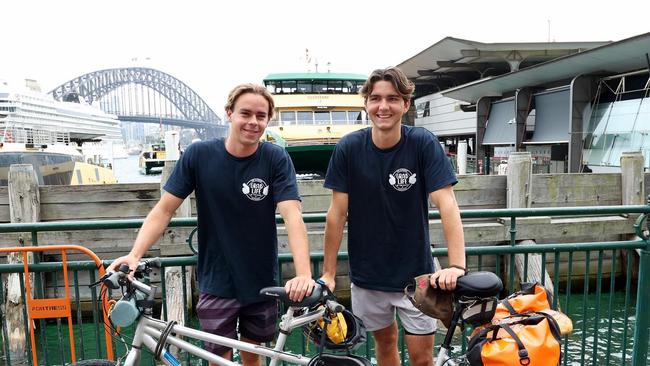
[334,306]
[114,280]
[119,278]
[154,262]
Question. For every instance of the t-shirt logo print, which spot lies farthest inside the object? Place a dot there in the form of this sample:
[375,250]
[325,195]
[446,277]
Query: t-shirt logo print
[402,179]
[255,189]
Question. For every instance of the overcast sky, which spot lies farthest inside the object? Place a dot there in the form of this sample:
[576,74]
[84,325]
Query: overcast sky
[214,45]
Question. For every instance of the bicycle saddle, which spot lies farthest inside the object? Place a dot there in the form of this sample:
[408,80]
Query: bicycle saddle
[478,284]
[280,294]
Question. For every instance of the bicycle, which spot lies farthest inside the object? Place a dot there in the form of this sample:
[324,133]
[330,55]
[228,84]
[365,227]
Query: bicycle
[137,302]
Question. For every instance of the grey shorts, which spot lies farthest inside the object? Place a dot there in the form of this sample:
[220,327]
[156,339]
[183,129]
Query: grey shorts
[221,316]
[377,309]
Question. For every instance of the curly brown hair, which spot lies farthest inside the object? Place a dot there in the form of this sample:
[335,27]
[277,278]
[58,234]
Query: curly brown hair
[395,76]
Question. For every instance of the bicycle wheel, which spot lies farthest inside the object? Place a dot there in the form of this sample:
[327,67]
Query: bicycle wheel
[94,363]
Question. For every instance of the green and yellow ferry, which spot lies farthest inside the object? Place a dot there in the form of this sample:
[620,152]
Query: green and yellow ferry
[312,112]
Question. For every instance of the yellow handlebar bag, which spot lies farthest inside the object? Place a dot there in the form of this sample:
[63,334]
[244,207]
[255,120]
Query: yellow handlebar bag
[337,329]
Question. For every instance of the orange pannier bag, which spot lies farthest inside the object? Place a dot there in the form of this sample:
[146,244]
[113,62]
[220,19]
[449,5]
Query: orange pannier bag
[526,339]
[523,331]
[532,297]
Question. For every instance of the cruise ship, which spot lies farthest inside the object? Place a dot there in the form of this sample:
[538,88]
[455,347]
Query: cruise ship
[36,129]
[312,112]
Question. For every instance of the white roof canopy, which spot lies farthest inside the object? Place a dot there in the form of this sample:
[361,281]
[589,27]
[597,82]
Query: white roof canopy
[614,58]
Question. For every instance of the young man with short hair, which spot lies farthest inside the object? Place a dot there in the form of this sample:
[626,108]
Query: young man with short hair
[381,179]
[238,183]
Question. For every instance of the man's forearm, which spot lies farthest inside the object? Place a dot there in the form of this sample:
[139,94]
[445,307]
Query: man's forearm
[299,245]
[332,243]
[152,229]
[452,228]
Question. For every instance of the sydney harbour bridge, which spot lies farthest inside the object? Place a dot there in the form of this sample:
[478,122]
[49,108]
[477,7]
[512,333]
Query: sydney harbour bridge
[145,95]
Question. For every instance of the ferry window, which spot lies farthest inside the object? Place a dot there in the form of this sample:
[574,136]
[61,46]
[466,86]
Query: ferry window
[79,179]
[339,117]
[289,86]
[427,111]
[419,110]
[271,87]
[305,118]
[304,87]
[288,118]
[322,117]
[320,86]
[355,117]
[334,86]
[349,87]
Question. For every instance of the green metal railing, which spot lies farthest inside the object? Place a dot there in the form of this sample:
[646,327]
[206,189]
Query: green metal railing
[603,308]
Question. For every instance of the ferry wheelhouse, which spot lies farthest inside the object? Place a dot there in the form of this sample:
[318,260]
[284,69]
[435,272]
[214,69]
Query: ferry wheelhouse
[152,160]
[312,112]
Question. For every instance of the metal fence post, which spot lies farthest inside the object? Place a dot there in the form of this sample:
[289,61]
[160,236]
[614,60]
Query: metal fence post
[642,329]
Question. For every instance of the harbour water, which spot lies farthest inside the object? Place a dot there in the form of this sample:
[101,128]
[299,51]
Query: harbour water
[126,170]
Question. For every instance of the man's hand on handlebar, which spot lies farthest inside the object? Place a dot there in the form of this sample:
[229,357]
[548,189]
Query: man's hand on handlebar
[119,274]
[299,287]
[131,260]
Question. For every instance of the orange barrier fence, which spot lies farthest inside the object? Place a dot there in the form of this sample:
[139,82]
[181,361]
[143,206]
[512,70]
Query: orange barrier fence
[56,308]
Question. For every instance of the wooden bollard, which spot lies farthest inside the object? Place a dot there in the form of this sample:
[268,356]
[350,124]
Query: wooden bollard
[173,275]
[632,191]
[632,184]
[520,176]
[24,206]
[520,172]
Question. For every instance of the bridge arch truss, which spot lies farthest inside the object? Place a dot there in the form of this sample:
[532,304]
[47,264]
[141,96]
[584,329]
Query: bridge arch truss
[144,95]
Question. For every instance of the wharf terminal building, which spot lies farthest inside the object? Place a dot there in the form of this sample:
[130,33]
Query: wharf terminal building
[575,106]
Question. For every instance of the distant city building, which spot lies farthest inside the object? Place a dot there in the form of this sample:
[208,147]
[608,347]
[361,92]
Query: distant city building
[133,131]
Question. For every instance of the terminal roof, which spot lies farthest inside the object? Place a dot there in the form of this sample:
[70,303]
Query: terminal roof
[614,58]
[453,61]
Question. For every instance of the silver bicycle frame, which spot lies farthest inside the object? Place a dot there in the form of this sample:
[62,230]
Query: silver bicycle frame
[443,359]
[149,330]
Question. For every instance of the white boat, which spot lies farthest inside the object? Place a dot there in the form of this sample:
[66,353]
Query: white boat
[36,129]
[134,150]
[29,108]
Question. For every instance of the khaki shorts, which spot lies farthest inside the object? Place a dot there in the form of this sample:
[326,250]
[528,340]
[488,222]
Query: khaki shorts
[377,310]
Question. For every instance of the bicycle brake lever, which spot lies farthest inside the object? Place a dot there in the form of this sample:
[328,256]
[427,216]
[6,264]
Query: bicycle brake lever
[96,283]
[100,280]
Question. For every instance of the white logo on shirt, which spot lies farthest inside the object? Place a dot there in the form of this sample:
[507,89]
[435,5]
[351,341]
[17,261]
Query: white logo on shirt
[402,179]
[255,189]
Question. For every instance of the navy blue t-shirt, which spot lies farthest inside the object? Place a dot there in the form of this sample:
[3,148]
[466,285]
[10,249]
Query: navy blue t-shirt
[388,226]
[236,200]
